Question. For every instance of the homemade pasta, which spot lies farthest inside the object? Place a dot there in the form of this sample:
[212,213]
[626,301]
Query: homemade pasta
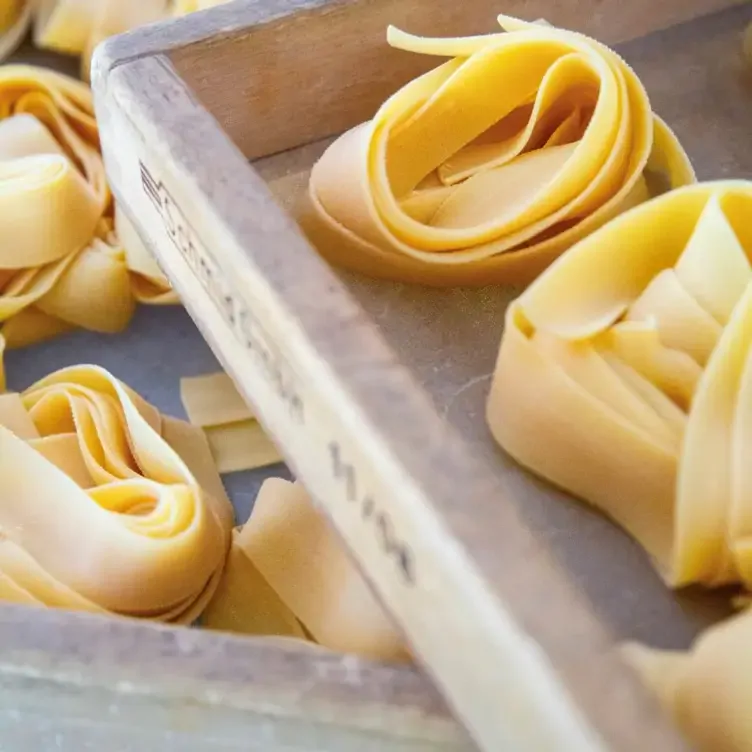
[489,166]
[127,526]
[625,377]
[67,266]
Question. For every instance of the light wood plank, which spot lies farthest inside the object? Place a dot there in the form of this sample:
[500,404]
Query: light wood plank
[77,682]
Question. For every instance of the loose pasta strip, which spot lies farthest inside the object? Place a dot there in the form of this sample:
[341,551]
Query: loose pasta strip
[287,545]
[490,165]
[237,439]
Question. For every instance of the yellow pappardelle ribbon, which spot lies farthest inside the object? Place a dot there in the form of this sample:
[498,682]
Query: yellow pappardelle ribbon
[625,377]
[62,263]
[288,568]
[489,166]
[97,511]
[707,690]
[237,439]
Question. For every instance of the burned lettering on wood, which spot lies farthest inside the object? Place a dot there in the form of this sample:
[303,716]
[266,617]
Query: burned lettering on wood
[390,544]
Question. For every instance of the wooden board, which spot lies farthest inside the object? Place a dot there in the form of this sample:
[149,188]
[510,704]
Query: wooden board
[73,682]
[511,594]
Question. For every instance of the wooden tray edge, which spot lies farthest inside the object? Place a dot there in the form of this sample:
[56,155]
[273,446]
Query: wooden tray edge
[64,664]
[226,23]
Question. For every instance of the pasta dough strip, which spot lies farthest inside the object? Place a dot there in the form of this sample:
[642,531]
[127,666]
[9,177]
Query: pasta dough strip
[212,400]
[489,166]
[241,446]
[288,545]
[237,440]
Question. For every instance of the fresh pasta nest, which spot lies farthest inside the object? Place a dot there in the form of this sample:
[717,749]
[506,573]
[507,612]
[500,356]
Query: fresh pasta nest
[99,512]
[67,265]
[625,377]
[108,506]
[489,166]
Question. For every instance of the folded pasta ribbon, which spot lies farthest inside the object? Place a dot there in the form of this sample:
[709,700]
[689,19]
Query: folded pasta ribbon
[487,167]
[99,512]
[625,377]
[708,689]
[288,568]
[62,260]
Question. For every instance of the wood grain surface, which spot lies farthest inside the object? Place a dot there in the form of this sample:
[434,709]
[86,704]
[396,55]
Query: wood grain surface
[76,682]
[301,53]
[511,594]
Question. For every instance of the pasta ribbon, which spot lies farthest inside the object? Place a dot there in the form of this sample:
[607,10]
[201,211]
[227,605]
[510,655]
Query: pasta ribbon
[707,690]
[237,439]
[489,166]
[99,512]
[625,377]
[288,561]
[66,265]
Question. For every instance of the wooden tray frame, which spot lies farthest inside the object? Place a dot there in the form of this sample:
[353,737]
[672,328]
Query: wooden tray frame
[76,682]
[478,597]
